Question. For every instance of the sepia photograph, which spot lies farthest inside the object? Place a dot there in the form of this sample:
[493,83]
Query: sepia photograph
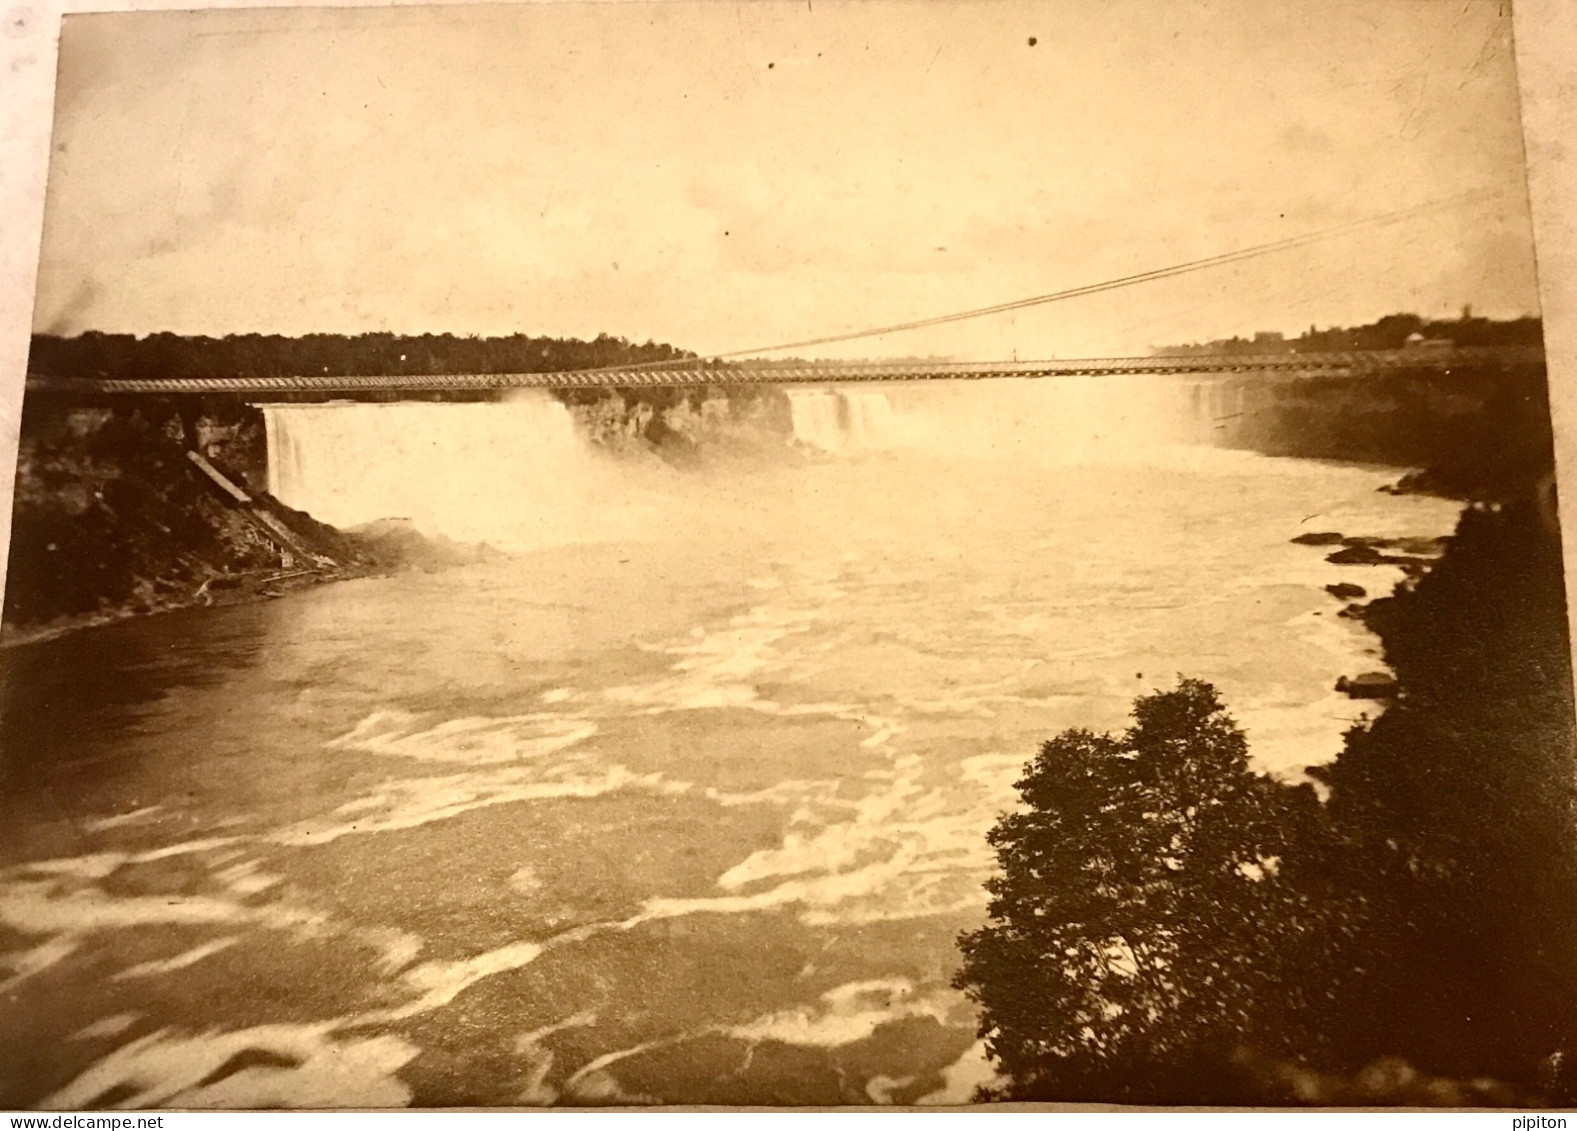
[787,553]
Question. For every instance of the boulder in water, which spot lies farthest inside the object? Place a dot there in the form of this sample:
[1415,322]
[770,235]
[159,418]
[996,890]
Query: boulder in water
[1318,538]
[1356,555]
[1345,590]
[1369,685]
[1424,547]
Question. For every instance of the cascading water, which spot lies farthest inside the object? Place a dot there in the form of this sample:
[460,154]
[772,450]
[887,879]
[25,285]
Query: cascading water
[518,475]
[838,420]
[815,415]
[868,418]
[512,474]
[1066,420]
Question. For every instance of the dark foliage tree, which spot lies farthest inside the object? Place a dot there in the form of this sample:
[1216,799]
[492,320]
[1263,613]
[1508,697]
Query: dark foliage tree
[163,355]
[1460,809]
[1141,919]
[155,356]
[1388,333]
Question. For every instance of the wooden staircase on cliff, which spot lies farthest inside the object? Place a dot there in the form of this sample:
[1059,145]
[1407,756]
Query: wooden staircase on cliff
[292,548]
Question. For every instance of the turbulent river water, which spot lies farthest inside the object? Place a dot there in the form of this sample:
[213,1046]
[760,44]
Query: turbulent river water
[683,800]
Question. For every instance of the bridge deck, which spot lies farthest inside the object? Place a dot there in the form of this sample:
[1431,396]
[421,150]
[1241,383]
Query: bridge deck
[799,372]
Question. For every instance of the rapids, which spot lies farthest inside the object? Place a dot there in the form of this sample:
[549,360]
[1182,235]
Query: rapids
[684,800]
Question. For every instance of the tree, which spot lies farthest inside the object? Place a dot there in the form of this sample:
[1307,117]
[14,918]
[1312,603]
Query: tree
[1460,804]
[1132,943]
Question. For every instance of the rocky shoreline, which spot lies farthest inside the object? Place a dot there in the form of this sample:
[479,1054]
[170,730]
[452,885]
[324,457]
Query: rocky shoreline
[217,591]
[1413,556]
[380,550]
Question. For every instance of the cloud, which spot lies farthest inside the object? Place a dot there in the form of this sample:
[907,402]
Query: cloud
[70,315]
[1300,137]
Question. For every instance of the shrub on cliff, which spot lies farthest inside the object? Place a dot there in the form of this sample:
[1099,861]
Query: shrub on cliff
[1141,921]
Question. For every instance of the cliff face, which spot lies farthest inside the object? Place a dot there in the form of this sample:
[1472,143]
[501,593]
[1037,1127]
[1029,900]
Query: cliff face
[1480,431]
[682,424]
[112,516]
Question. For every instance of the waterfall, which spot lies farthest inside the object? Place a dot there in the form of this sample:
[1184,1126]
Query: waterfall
[867,418]
[513,474]
[815,416]
[1063,420]
[839,420]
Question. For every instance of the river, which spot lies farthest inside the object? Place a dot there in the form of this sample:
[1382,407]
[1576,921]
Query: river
[684,799]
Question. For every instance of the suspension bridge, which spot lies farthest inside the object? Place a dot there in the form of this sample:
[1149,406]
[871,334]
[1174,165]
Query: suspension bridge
[701,372]
[747,367]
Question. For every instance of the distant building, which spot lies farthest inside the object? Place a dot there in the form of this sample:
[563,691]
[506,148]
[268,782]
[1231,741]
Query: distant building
[1416,341]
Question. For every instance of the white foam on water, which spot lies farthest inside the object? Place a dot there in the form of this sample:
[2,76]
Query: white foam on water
[794,791]
[441,981]
[168,1068]
[408,804]
[601,1088]
[39,909]
[397,949]
[533,1037]
[105,1027]
[69,910]
[180,961]
[97,865]
[476,741]
[1289,736]
[591,1081]
[961,1078]
[244,878]
[879,1089]
[906,850]
[846,1014]
[716,669]
[94,866]
[185,848]
[24,964]
[135,816]
[842,1016]
[510,762]
[539,1060]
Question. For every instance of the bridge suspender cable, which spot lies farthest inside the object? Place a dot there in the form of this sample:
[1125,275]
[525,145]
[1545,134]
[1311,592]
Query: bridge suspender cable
[698,368]
[1381,220]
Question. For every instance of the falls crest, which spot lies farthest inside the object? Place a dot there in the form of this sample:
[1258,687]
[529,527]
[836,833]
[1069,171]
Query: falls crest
[842,420]
[519,475]
[512,474]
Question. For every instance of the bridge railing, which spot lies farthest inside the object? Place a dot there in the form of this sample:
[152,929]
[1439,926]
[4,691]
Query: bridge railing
[802,372]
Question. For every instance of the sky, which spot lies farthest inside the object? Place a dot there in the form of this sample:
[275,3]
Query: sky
[724,176]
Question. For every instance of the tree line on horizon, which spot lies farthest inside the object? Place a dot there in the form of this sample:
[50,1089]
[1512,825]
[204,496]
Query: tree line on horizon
[165,355]
[1388,333]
